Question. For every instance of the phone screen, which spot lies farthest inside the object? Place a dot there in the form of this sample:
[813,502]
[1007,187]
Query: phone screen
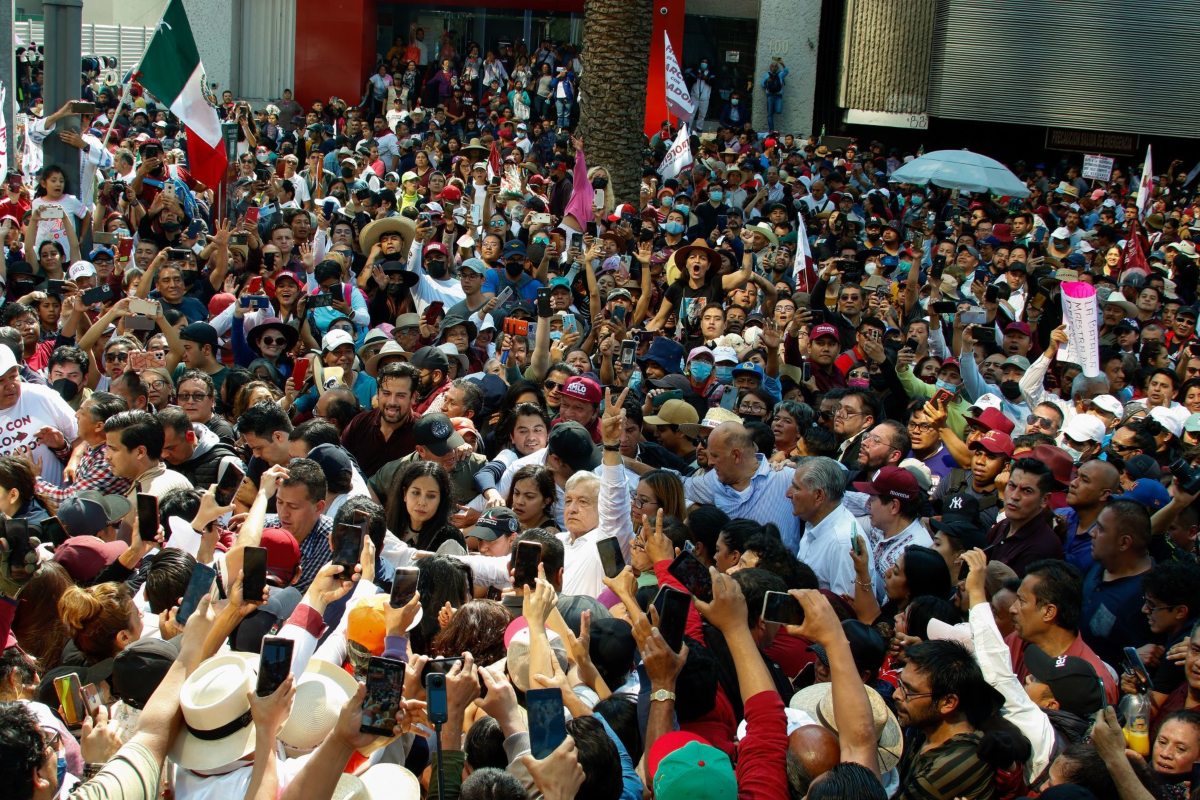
[300,371]
[547,727]
[70,697]
[347,547]
[610,556]
[230,480]
[505,295]
[628,350]
[618,314]
[199,585]
[781,607]
[1138,667]
[254,573]
[91,698]
[274,664]
[147,512]
[694,576]
[385,684]
[525,563]
[404,586]
[672,607]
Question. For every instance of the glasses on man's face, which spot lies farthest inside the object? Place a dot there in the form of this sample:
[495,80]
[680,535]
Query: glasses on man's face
[198,397]
[52,738]
[847,412]
[752,408]
[904,692]
[114,358]
[156,386]
[920,427]
[1041,422]
[1149,609]
[871,439]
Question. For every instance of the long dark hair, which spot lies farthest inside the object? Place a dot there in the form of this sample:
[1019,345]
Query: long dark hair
[543,479]
[440,580]
[398,520]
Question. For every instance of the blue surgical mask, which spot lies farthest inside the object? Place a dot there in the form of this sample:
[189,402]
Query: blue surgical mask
[684,209]
[555,335]
[724,374]
[700,370]
[667,201]
[949,387]
[717,196]
[733,102]
[673,228]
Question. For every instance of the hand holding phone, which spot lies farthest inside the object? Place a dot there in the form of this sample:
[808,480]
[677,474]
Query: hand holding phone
[694,576]
[274,664]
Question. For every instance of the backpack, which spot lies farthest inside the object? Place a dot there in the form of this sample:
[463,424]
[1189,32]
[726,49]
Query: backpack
[773,84]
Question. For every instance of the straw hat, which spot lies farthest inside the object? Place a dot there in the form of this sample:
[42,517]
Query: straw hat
[321,692]
[218,729]
[375,230]
[817,702]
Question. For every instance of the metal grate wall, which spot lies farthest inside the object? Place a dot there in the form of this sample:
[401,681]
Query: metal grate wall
[886,47]
[126,43]
[1107,65]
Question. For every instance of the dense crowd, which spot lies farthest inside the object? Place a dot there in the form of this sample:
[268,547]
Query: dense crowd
[432,468]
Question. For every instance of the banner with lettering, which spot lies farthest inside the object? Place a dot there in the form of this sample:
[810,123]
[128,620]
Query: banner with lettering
[1083,337]
[679,100]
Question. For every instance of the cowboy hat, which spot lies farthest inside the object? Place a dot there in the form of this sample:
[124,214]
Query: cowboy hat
[817,702]
[272,324]
[372,233]
[451,351]
[321,691]
[765,230]
[681,255]
[389,351]
[392,781]
[217,727]
[474,146]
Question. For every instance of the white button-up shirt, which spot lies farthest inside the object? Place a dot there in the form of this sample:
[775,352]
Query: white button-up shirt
[826,548]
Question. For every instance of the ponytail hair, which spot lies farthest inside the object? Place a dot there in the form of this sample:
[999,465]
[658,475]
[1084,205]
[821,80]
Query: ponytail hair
[95,616]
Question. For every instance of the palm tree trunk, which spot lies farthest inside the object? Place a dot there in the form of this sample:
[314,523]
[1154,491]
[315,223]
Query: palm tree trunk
[616,57]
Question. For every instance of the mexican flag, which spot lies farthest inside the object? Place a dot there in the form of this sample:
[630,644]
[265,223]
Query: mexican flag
[172,72]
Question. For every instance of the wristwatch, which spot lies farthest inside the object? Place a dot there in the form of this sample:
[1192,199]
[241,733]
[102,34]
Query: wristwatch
[662,696]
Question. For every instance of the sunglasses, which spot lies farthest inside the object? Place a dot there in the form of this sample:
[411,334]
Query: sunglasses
[272,341]
[113,358]
[551,386]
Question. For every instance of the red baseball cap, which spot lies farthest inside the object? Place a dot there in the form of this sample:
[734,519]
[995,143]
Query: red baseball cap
[1019,327]
[434,247]
[1060,464]
[892,482]
[995,442]
[584,389]
[451,194]
[991,419]
[825,329]
[283,553]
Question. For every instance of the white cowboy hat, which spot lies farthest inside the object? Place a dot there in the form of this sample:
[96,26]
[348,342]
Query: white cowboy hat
[218,729]
[321,692]
[817,702]
[391,781]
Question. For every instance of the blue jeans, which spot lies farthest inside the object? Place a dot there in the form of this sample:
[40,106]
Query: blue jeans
[774,106]
[564,112]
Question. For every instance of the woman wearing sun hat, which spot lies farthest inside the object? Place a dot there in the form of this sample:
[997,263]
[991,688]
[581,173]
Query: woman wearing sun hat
[701,279]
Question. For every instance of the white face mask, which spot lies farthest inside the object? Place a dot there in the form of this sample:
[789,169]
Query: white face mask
[871,268]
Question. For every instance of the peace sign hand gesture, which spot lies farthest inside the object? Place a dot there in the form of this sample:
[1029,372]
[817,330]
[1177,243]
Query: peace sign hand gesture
[613,421]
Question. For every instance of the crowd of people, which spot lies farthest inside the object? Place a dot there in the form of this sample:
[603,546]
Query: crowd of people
[920,554]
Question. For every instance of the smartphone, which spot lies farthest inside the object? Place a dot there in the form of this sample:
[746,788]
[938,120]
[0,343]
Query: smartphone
[82,107]
[540,219]
[328,207]
[238,238]
[320,300]
[543,302]
[404,586]
[694,576]
[100,237]
[618,314]
[147,513]
[230,480]
[781,607]
[991,294]
[199,584]
[547,727]
[943,307]
[54,287]
[628,353]
[70,697]
[99,294]
[255,284]
[505,295]
[525,563]
[911,343]
[672,606]
[91,698]
[299,372]
[385,685]
[939,266]
[1134,664]
[251,214]
[610,556]
[347,547]
[254,573]
[143,307]
[195,228]
[598,198]
[856,542]
[569,324]
[976,316]
[53,531]
[52,212]
[662,397]
[806,372]
[722,222]
[965,569]
[495,181]
[942,397]
[255,301]
[274,664]
[433,311]
[435,698]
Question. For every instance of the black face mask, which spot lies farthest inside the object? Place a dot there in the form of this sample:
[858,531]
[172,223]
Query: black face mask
[171,227]
[66,388]
[1011,390]
[436,269]
[600,183]
[514,269]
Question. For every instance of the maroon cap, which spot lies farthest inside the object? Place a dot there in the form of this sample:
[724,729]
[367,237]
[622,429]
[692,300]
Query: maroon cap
[83,557]
[283,553]
[995,442]
[824,329]
[991,419]
[1060,464]
[434,247]
[584,389]
[951,362]
[1003,232]
[892,482]
[1019,327]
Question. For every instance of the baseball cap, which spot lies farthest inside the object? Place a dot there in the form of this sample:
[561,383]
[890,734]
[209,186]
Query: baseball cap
[992,420]
[583,388]
[495,523]
[995,442]
[1109,405]
[867,647]
[476,265]
[1148,492]
[727,355]
[451,194]
[435,432]
[824,329]
[200,333]
[87,513]
[81,269]
[83,557]
[366,625]
[335,339]
[1061,465]
[430,357]
[674,412]
[684,765]
[1021,328]
[1071,679]
[892,482]
[283,552]
[1084,428]
[573,445]
[139,668]
[749,368]
[513,247]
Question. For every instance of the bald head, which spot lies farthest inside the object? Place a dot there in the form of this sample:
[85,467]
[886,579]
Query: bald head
[733,436]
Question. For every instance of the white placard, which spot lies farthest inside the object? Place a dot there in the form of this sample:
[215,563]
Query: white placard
[1097,168]
[1083,333]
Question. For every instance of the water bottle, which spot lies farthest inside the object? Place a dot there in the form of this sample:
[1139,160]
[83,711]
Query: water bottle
[1135,708]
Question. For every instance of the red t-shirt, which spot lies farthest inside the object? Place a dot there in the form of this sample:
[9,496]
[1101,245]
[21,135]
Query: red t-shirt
[1017,645]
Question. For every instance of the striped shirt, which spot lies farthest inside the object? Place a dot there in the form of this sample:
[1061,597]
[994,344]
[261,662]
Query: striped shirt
[950,770]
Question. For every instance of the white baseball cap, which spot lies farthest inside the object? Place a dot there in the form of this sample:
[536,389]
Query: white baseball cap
[81,269]
[335,339]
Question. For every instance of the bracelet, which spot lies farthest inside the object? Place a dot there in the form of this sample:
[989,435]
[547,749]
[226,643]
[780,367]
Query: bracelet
[612,448]
[864,584]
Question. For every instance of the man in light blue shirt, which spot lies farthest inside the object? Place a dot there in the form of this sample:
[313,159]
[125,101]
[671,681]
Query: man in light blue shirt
[743,485]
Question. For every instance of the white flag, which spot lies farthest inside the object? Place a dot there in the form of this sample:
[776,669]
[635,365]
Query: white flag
[1145,187]
[679,101]
[679,157]
[3,132]
[803,267]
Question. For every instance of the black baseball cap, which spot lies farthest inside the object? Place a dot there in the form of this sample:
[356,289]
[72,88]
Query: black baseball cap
[139,669]
[201,333]
[1072,680]
[494,524]
[430,357]
[88,512]
[573,445]
[332,460]
[435,432]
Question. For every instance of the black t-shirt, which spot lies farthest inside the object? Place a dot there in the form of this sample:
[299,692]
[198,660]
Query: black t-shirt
[689,303]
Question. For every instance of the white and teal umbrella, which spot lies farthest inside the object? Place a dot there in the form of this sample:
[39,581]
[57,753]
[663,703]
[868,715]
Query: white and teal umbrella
[961,170]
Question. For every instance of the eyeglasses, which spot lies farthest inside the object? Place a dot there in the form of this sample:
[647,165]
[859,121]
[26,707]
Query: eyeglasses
[271,341]
[641,502]
[193,398]
[872,439]
[1154,609]
[552,386]
[1042,422]
[156,385]
[752,408]
[920,427]
[51,738]
[903,690]
[844,412]
[113,358]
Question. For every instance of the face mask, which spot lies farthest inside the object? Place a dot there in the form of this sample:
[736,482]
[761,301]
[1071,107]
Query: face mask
[858,383]
[716,196]
[555,335]
[949,387]
[724,374]
[673,228]
[733,102]
[1011,390]
[667,201]
[871,268]
[171,227]
[684,209]
[1076,456]
[703,65]
[599,183]
[61,768]
[514,269]
[701,371]
[436,269]
[262,157]
[917,199]
[66,388]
